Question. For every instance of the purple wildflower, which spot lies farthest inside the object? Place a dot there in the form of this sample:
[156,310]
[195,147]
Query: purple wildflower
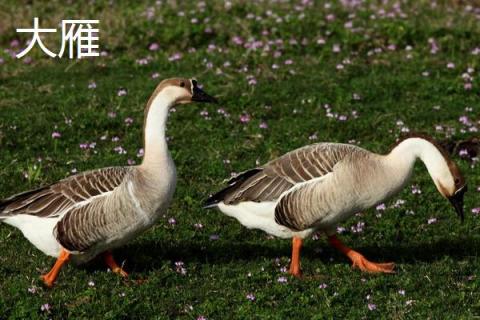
[56,134]
[282,280]
[245,118]
[45,307]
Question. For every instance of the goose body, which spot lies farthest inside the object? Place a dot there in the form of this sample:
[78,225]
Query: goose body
[319,186]
[94,212]
[91,212]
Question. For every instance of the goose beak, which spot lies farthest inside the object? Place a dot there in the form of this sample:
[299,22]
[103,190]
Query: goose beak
[457,201]
[201,96]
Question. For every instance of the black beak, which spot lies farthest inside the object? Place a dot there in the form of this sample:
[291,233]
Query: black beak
[457,201]
[200,96]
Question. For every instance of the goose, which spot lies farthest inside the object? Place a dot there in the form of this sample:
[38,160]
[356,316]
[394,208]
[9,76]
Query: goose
[316,187]
[91,213]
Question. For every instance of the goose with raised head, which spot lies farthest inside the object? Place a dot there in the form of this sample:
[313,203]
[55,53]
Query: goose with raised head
[318,186]
[93,212]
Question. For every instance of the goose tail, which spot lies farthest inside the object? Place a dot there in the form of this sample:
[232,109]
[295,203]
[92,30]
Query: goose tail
[233,184]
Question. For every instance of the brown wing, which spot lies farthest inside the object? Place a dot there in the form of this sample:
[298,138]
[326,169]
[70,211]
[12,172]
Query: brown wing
[51,200]
[301,207]
[268,182]
[84,226]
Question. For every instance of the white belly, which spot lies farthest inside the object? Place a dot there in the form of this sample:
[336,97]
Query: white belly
[260,215]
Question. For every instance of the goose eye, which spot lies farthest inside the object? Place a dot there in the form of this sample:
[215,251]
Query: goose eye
[457,181]
[182,84]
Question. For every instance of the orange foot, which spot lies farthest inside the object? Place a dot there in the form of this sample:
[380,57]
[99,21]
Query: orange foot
[49,278]
[297,273]
[360,262]
[108,258]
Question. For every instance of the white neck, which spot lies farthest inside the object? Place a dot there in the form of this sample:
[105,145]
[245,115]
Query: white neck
[402,159]
[156,148]
[410,149]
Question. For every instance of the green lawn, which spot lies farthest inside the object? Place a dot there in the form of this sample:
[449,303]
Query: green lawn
[299,73]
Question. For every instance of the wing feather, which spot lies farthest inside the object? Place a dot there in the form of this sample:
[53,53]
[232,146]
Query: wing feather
[53,199]
[283,173]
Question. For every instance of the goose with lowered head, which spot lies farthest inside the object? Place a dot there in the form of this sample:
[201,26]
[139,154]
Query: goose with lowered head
[319,186]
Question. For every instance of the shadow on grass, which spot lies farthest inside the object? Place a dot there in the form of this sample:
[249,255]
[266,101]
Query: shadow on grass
[152,255]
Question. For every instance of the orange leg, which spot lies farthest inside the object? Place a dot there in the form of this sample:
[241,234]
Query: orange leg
[50,277]
[108,258]
[295,263]
[359,260]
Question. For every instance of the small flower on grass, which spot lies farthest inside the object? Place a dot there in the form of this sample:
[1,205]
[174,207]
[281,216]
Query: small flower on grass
[251,80]
[56,135]
[180,268]
[172,221]
[91,283]
[282,280]
[128,121]
[263,125]
[401,292]
[45,307]
[323,286]
[142,62]
[120,150]
[92,85]
[175,57]
[198,226]
[463,153]
[122,92]
[409,302]
[358,228]
[32,290]
[372,306]
[432,220]
[245,118]
[251,297]
[214,237]
[201,318]
[416,190]
[341,230]
[476,211]
[381,207]
[154,46]
[450,65]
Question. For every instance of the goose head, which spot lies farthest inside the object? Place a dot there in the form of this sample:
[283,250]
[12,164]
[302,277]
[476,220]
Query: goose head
[182,91]
[449,182]
[444,172]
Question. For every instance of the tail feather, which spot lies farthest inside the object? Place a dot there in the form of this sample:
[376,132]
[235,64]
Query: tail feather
[17,198]
[233,184]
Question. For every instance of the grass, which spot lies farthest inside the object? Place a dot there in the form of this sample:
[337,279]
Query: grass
[400,87]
